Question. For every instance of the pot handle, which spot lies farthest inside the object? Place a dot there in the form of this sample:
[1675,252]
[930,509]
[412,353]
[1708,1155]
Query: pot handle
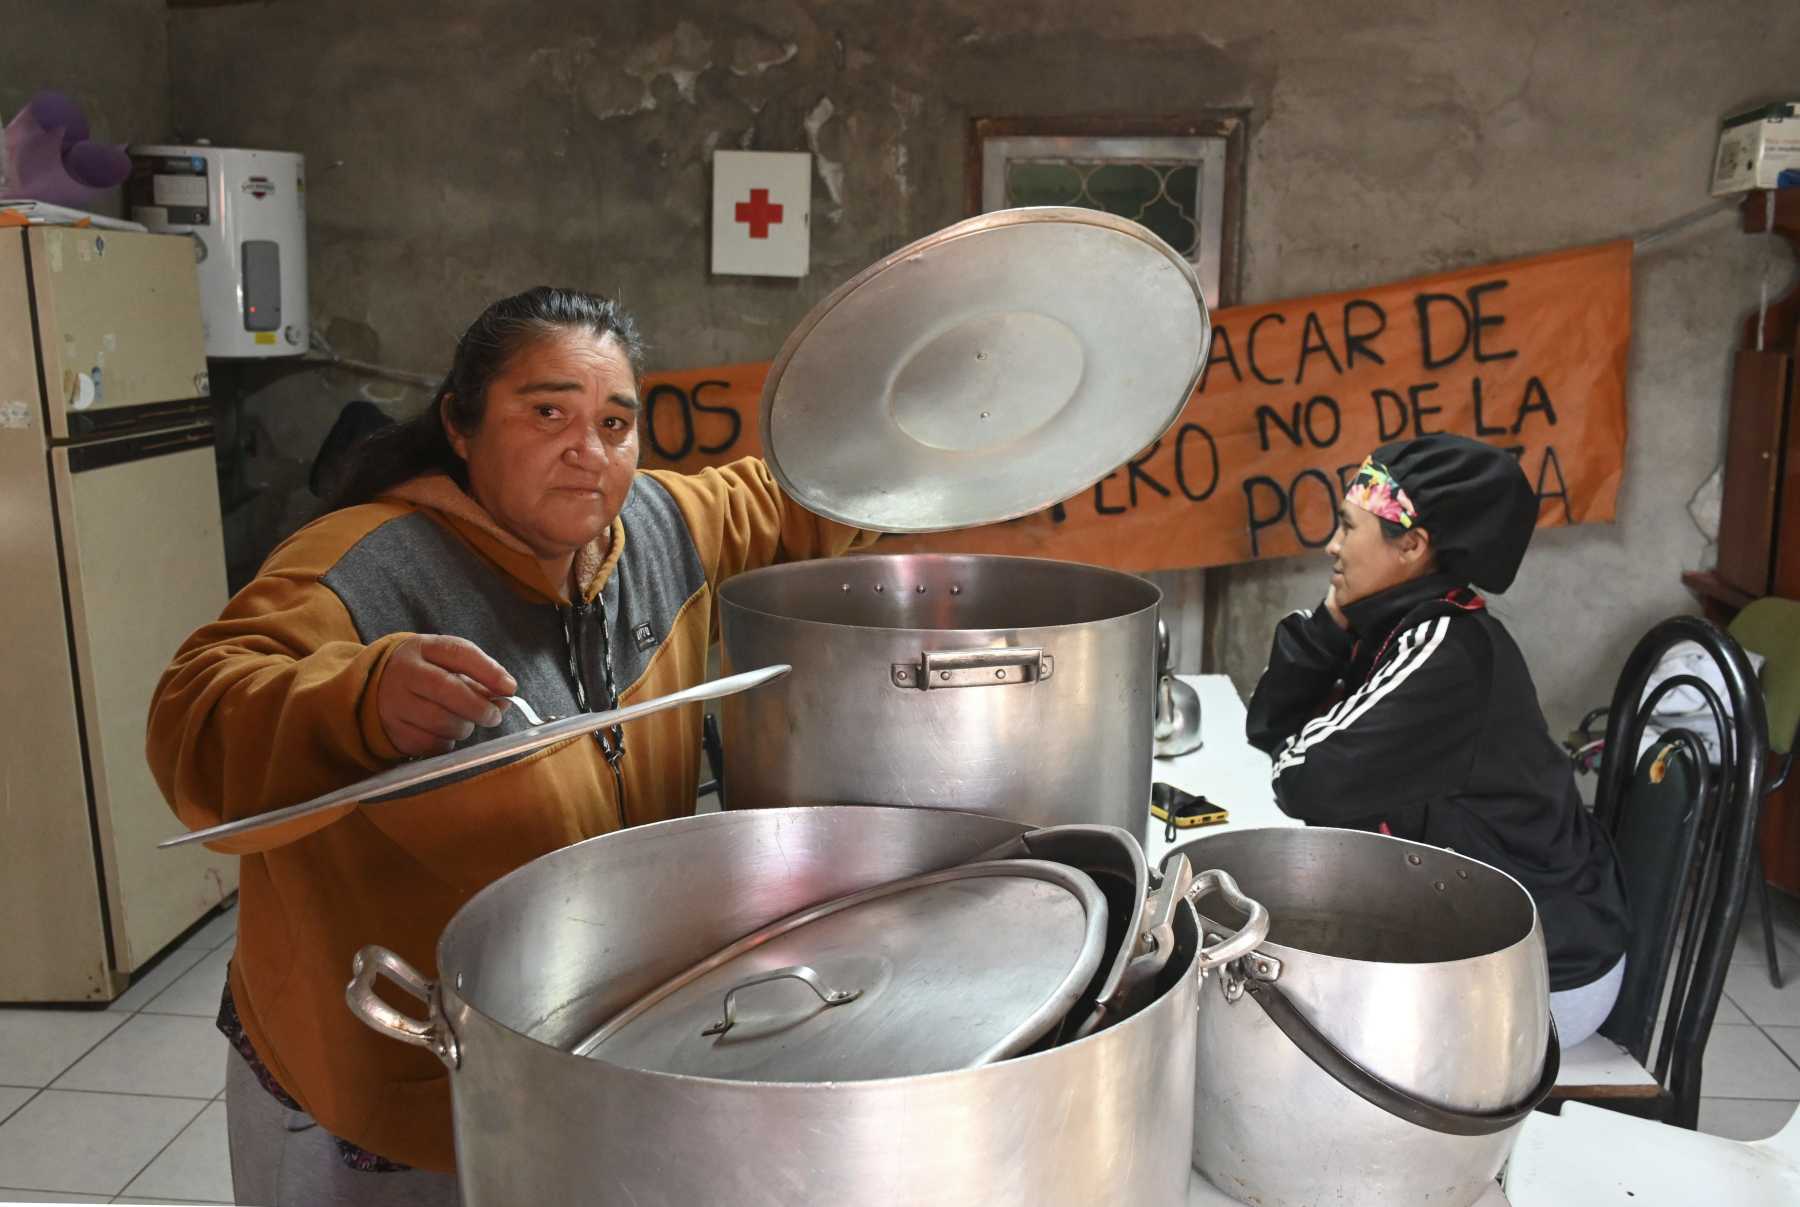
[987,667]
[435,1036]
[1391,1098]
[798,972]
[1256,925]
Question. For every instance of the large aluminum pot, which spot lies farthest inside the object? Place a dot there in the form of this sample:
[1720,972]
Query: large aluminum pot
[536,961]
[1013,686]
[1396,1022]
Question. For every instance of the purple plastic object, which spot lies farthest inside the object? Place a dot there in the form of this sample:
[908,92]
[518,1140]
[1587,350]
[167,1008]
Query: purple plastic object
[54,111]
[50,157]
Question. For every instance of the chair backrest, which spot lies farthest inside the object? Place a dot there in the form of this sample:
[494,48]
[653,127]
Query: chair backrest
[356,422]
[1656,835]
[1771,627]
[1709,896]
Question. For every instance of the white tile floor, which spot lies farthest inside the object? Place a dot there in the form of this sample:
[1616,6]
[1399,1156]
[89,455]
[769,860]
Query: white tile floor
[124,1105]
[1751,1082]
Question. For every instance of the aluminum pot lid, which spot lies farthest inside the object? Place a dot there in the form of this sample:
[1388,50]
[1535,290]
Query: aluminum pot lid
[948,970]
[985,372]
[410,778]
[1114,859]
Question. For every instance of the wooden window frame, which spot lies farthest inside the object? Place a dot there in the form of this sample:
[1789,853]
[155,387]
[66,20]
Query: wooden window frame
[1231,126]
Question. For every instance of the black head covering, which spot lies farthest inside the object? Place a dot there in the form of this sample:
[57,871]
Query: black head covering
[1472,498]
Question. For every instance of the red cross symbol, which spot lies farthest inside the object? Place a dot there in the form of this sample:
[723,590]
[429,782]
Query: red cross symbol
[758,214]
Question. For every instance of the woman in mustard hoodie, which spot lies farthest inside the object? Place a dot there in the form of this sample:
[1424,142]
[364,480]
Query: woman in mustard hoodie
[502,543]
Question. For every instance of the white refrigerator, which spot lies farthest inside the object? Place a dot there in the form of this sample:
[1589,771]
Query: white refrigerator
[111,552]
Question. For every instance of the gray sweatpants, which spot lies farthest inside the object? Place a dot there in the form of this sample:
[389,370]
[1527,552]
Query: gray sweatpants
[1580,1011]
[281,1158]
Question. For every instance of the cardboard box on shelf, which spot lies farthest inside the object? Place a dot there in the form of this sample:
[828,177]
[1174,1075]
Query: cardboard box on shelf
[1755,146]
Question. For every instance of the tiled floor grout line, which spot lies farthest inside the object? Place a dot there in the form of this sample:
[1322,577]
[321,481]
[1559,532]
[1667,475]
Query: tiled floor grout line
[1740,1098]
[159,1152]
[127,1093]
[1762,970]
[97,1195]
[67,1089]
[110,1198]
[127,1016]
[111,1031]
[1765,1034]
[177,1013]
[169,951]
[204,1103]
[35,1091]
[145,1008]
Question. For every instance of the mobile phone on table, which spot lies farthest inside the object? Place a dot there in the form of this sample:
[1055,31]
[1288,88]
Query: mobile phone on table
[1179,810]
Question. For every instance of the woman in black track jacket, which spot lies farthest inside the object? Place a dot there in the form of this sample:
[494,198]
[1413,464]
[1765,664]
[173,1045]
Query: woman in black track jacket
[1401,705]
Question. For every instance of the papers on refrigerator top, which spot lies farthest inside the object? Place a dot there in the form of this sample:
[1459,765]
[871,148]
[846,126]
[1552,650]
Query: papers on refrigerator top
[42,213]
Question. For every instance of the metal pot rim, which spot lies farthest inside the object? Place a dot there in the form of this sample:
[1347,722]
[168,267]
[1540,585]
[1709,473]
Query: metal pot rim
[1194,851]
[450,1002]
[1045,1011]
[726,592]
[1300,954]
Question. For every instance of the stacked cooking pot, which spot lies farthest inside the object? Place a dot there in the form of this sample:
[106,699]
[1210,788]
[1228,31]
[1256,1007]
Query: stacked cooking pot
[984,373]
[991,999]
[1395,1021]
[821,1005]
[921,1006]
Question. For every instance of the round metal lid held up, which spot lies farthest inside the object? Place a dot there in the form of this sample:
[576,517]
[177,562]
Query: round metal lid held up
[985,372]
[944,971]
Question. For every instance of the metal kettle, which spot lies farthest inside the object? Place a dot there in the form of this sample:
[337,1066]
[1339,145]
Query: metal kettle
[1177,705]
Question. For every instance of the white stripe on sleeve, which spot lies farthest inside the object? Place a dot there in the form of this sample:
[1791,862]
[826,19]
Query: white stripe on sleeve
[1333,716]
[1424,640]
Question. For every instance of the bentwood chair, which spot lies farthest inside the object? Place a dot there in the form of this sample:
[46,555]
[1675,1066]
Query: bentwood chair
[1685,833]
[1659,833]
[1771,627]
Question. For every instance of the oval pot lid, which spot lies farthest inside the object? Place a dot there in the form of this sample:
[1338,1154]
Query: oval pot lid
[985,372]
[944,971]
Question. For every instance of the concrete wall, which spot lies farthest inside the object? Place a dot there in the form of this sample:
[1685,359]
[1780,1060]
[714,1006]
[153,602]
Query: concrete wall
[110,55]
[461,150]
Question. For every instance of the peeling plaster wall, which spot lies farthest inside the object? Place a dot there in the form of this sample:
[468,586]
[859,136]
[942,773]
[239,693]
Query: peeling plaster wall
[458,151]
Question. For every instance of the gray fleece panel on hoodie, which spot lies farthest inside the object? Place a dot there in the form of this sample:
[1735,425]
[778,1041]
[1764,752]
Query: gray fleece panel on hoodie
[412,574]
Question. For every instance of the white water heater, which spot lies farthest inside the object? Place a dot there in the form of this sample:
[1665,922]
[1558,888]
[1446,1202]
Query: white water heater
[246,212]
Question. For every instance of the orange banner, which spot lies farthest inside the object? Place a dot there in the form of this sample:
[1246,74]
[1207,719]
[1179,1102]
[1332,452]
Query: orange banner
[1529,355]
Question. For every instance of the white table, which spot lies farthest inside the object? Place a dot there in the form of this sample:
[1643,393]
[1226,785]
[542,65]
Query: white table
[1227,769]
[1593,1156]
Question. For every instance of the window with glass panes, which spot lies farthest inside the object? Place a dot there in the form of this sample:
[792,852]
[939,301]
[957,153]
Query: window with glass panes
[1174,185]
